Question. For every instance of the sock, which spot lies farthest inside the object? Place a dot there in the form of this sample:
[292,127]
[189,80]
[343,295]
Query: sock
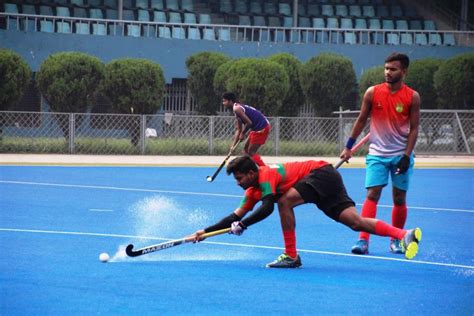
[384,229]
[290,243]
[399,215]
[258,160]
[369,209]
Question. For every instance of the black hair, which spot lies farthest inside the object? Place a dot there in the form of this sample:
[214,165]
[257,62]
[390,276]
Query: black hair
[402,58]
[242,164]
[230,96]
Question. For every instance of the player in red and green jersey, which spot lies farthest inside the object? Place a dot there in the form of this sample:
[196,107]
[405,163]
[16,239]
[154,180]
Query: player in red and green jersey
[394,111]
[292,184]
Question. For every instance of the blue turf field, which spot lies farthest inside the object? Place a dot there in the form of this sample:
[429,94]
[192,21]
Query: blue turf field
[55,221]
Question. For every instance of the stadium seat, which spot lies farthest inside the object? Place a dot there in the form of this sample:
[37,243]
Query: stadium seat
[47,10]
[360,23]
[128,15]
[209,35]
[401,24]
[149,30]
[382,11]
[429,25]
[11,8]
[332,23]
[308,37]
[255,7]
[377,38]
[128,4]
[111,14]
[241,7]
[99,29]
[415,25]
[304,22]
[355,11]
[81,28]
[364,38]
[175,17]
[393,39]
[63,27]
[194,34]
[301,10]
[187,5]
[322,37]
[388,24]
[406,39]
[449,40]
[341,10]
[396,11]
[274,21]
[244,20]
[204,18]
[157,5]
[190,18]
[225,6]
[223,34]
[141,4]
[172,5]
[159,16]
[420,39]
[46,26]
[327,10]
[374,24]
[368,11]
[284,9]
[28,9]
[270,8]
[13,24]
[434,39]
[287,21]
[350,38]
[410,12]
[79,13]
[319,23]
[313,10]
[259,21]
[133,30]
[143,15]
[164,32]
[78,3]
[279,36]
[178,32]
[346,23]
[110,4]
[95,3]
[264,36]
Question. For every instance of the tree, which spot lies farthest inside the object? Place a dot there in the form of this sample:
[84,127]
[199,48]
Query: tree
[220,78]
[369,78]
[294,99]
[134,86]
[202,68]
[258,82]
[15,75]
[454,81]
[421,78]
[327,81]
[68,81]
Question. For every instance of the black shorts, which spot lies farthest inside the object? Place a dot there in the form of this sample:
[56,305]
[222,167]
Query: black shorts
[324,187]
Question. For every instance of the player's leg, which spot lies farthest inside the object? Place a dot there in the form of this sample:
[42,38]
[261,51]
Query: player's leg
[256,140]
[399,190]
[376,178]
[290,258]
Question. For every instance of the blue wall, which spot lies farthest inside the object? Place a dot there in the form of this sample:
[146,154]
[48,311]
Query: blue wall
[171,54]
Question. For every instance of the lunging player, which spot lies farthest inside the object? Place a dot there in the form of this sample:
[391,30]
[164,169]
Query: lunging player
[394,109]
[292,184]
[248,118]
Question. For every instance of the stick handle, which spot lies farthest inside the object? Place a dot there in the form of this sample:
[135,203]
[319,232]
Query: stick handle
[354,149]
[210,234]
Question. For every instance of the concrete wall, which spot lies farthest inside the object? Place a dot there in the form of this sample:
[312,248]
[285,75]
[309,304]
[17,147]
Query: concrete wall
[171,54]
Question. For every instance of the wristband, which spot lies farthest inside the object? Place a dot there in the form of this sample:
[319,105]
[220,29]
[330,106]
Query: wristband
[350,143]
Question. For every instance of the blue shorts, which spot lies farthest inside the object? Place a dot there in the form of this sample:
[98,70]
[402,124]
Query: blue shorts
[378,168]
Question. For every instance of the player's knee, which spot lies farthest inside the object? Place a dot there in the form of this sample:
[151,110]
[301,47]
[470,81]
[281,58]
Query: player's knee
[356,224]
[284,203]
[373,195]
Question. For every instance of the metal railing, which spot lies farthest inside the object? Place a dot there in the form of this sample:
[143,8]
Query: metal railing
[239,33]
[441,132]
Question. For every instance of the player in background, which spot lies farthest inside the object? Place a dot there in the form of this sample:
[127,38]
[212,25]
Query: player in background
[247,119]
[394,109]
[292,184]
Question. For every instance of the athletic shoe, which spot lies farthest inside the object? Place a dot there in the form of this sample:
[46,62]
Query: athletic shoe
[285,261]
[410,242]
[361,247]
[395,246]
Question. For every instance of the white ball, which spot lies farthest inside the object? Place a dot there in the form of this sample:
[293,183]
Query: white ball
[104,257]
[209,179]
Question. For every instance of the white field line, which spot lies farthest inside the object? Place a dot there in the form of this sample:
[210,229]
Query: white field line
[450,265]
[197,193]
[100,210]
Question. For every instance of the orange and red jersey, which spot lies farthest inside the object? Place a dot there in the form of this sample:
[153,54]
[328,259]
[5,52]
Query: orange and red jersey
[277,179]
[390,120]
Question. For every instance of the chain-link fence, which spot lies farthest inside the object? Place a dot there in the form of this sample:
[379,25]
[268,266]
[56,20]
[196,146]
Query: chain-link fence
[441,132]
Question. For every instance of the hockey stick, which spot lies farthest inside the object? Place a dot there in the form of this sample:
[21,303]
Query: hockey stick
[157,247]
[354,149]
[211,178]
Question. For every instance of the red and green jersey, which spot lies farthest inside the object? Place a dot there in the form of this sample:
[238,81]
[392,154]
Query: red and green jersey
[277,179]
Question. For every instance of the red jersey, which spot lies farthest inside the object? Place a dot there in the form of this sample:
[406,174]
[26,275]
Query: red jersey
[277,179]
[390,120]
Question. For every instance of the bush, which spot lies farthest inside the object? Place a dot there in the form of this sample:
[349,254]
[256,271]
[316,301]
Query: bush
[15,75]
[258,82]
[327,81]
[202,68]
[220,77]
[454,81]
[421,78]
[294,99]
[134,86]
[369,78]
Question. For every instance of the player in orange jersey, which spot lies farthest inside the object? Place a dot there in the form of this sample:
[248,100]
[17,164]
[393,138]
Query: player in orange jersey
[292,184]
[394,109]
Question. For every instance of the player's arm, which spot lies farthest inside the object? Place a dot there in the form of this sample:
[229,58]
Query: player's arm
[404,162]
[360,123]
[238,131]
[262,212]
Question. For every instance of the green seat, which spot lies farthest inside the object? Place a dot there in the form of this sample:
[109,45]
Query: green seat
[46,26]
[194,34]
[209,35]
[143,15]
[393,39]
[133,30]
[449,40]
[164,32]
[420,39]
[178,32]
[159,16]
[406,39]
[99,29]
[63,27]
[350,38]
[82,28]
[434,39]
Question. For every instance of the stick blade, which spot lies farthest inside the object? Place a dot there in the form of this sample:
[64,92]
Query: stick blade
[129,251]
